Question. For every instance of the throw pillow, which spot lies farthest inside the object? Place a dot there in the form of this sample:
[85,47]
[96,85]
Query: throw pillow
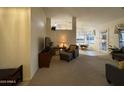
[72,48]
[121,65]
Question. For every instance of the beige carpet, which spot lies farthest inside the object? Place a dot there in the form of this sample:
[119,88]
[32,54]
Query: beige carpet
[84,70]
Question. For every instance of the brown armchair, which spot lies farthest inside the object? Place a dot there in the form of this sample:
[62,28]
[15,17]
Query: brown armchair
[70,53]
[74,49]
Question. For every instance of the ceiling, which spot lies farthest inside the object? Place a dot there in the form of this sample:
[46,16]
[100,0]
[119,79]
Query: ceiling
[86,16]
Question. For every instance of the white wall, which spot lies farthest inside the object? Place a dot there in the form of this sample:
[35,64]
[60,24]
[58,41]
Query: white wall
[113,39]
[68,36]
[15,39]
[38,21]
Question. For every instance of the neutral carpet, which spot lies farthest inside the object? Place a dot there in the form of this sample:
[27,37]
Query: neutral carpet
[85,70]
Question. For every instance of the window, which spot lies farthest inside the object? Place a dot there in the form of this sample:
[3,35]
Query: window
[80,38]
[85,38]
[90,38]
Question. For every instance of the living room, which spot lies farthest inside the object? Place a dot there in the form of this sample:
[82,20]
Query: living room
[96,28]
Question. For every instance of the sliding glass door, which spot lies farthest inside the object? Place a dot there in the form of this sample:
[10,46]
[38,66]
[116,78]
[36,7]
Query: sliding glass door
[103,41]
[121,39]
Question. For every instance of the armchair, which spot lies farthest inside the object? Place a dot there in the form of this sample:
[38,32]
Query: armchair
[70,53]
[74,49]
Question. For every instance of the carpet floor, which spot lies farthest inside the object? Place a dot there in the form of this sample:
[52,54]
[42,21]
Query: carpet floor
[85,70]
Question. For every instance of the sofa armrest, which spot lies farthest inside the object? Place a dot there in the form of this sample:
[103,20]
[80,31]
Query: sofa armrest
[116,51]
[76,52]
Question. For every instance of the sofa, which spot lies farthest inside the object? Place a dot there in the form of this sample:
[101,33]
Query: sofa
[114,75]
[118,54]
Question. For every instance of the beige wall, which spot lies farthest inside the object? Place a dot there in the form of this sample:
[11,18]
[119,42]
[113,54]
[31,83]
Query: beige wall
[60,36]
[22,32]
[68,36]
[14,39]
[38,21]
